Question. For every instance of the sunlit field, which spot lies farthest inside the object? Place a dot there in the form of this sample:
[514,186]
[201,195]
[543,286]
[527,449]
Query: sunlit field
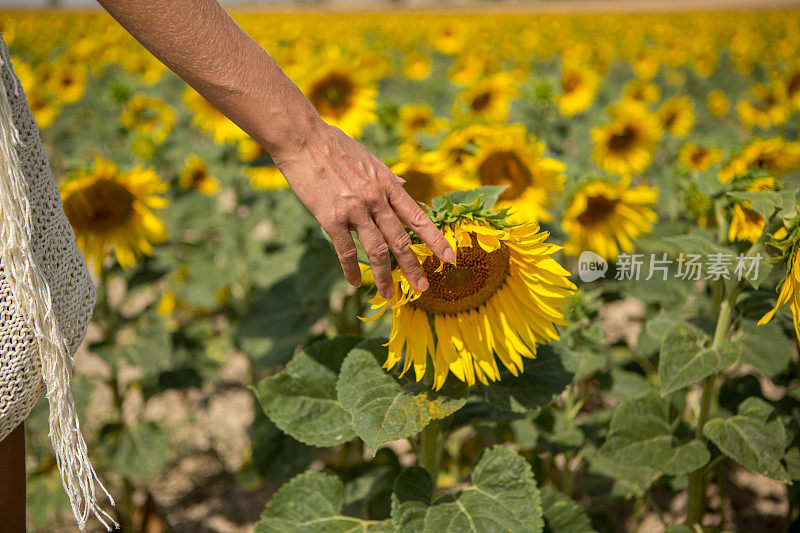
[623,372]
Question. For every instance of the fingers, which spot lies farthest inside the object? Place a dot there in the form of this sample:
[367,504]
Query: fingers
[348,254]
[378,254]
[420,223]
[395,235]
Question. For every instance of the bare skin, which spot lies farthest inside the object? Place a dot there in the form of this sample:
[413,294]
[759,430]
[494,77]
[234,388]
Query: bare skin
[343,185]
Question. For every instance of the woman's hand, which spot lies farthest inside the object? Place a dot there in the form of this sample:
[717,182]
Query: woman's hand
[348,189]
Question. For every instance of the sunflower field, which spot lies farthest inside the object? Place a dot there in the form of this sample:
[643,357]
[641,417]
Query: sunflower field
[610,351]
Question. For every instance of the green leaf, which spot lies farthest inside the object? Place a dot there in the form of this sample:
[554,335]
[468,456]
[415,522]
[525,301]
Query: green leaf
[563,515]
[542,379]
[751,439]
[277,321]
[684,361]
[503,497]
[763,202]
[301,400]
[137,452]
[699,242]
[765,347]
[151,347]
[382,409]
[309,502]
[641,434]
[320,271]
[489,194]
[625,480]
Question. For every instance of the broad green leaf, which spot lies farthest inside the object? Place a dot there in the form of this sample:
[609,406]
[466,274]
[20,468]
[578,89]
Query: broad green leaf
[640,434]
[563,515]
[765,347]
[275,456]
[277,321]
[319,270]
[751,439]
[698,242]
[542,379]
[503,497]
[150,347]
[684,361]
[301,400]
[763,202]
[136,452]
[309,502]
[382,409]
[608,479]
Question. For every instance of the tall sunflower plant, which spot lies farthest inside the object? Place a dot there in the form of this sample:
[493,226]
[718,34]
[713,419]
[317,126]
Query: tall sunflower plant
[482,341]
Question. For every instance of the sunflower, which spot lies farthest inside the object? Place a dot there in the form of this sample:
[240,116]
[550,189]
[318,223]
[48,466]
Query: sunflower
[605,217]
[747,224]
[646,63]
[418,118]
[501,297]
[249,150]
[45,108]
[578,88]
[458,147]
[423,175]
[195,176]
[112,209]
[642,91]
[417,65]
[786,242]
[207,118]
[487,100]
[625,145]
[791,81]
[341,95]
[677,116]
[149,116]
[266,177]
[68,82]
[718,103]
[696,157]
[775,156]
[509,156]
[768,106]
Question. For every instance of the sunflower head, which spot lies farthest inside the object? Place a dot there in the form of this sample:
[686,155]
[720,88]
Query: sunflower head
[507,156]
[109,209]
[341,94]
[501,297]
[606,217]
[625,145]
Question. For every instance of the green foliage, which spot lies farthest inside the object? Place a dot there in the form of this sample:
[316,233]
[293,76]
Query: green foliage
[503,497]
[641,434]
[684,360]
[563,515]
[310,501]
[754,438]
[382,409]
[542,378]
[301,400]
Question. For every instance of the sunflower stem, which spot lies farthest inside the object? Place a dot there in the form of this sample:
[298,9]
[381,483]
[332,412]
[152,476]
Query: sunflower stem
[431,449]
[698,480]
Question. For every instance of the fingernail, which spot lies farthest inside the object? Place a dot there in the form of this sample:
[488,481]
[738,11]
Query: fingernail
[449,255]
[400,180]
[422,284]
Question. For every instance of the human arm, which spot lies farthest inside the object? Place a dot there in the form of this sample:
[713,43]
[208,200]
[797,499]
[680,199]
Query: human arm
[343,185]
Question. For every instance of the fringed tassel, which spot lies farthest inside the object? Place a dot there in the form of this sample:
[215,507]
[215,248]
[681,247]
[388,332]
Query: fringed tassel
[32,295]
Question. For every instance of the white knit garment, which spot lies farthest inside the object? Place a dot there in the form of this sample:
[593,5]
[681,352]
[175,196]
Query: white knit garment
[46,297]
